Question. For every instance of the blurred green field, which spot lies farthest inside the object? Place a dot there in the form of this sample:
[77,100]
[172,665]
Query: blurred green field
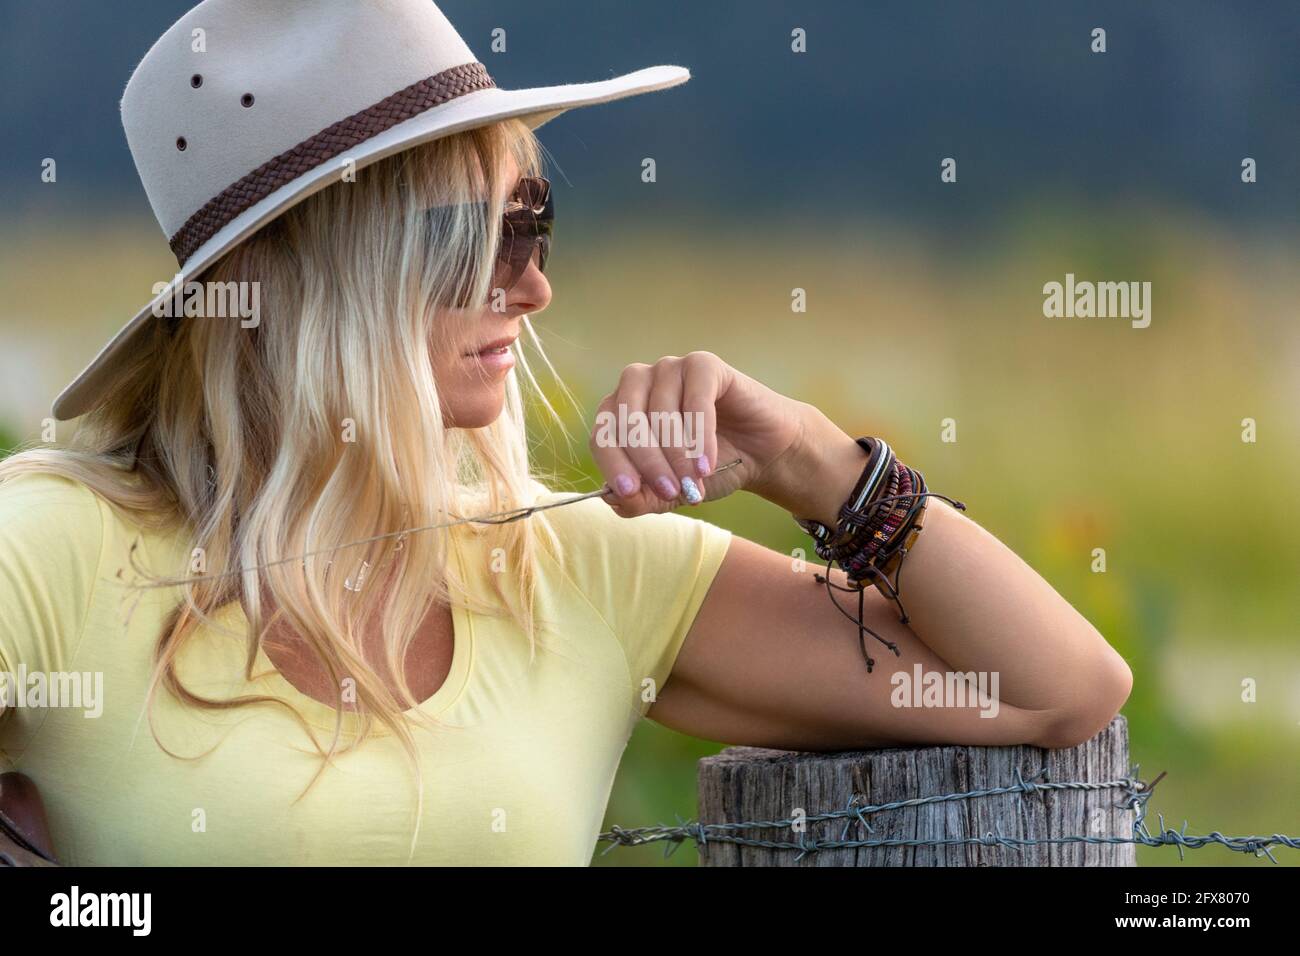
[1072,434]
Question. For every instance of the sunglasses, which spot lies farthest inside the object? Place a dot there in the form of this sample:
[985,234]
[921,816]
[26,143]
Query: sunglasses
[527,223]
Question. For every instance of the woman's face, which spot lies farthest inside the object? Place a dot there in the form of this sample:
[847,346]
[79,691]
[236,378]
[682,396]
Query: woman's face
[471,369]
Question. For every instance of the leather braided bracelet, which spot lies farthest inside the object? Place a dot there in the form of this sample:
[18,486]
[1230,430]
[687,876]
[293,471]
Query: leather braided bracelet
[878,525]
[875,475]
[874,511]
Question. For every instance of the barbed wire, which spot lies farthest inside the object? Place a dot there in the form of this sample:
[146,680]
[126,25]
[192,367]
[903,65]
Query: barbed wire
[1134,796]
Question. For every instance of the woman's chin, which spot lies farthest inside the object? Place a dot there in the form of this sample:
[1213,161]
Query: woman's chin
[476,411]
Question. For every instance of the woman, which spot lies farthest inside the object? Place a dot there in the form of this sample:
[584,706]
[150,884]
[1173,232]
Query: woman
[248,539]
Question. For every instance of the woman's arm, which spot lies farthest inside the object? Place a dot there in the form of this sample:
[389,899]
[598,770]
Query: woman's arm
[769,661]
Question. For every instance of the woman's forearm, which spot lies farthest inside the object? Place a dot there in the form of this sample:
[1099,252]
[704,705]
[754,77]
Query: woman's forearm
[969,597]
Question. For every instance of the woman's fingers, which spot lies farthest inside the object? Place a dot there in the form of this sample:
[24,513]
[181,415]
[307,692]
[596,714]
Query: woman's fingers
[683,405]
[702,382]
[620,474]
[662,395]
[612,451]
[655,430]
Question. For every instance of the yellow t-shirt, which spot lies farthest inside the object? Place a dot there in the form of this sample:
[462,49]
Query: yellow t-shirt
[519,772]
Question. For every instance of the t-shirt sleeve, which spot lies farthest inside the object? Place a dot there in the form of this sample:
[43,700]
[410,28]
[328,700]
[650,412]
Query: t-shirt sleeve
[646,576]
[51,536]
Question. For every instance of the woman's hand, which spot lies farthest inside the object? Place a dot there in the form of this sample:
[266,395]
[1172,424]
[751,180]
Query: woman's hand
[664,429]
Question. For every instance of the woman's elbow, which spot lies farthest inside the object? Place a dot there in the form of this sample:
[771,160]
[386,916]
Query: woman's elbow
[1105,692]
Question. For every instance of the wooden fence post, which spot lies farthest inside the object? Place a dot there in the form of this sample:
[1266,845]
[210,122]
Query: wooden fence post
[753,784]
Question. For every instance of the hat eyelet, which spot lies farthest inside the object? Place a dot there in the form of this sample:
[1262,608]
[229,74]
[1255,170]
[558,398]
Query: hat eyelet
[196,80]
[181,144]
[246,100]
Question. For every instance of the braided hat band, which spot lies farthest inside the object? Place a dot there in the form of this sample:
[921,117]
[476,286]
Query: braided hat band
[321,148]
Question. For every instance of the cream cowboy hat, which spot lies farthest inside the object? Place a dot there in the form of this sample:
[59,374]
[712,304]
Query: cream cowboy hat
[245,107]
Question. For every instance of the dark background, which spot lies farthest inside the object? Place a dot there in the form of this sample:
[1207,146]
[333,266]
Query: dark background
[856,125]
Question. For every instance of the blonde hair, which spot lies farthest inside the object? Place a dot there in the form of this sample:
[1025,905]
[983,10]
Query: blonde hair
[235,433]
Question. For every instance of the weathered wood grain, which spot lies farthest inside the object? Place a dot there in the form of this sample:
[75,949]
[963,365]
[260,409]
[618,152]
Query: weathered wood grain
[755,784]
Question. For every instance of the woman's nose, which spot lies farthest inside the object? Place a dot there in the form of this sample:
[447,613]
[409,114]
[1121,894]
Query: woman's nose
[531,294]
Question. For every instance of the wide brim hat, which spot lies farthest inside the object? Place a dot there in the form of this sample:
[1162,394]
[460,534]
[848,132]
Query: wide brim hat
[244,108]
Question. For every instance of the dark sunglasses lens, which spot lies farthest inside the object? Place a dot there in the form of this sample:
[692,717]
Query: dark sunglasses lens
[526,233]
[526,230]
[517,252]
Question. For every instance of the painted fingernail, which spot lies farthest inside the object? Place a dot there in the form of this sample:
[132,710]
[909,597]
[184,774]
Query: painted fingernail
[690,492]
[702,464]
[624,485]
[666,488]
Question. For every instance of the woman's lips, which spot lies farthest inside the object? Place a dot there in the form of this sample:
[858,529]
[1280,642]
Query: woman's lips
[495,355]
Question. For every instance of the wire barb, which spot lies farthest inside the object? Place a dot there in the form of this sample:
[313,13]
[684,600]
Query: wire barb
[1136,794]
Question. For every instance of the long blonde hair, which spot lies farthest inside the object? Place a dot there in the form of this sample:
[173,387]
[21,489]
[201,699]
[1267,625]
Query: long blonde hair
[240,435]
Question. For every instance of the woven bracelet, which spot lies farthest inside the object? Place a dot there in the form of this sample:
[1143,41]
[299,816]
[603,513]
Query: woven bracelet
[860,516]
[897,518]
[882,556]
[875,476]
[875,532]
[876,522]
